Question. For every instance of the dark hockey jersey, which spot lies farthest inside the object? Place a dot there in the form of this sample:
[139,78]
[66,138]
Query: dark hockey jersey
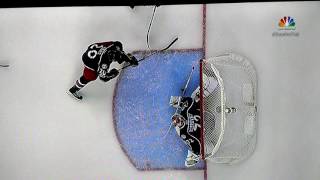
[190,130]
[97,52]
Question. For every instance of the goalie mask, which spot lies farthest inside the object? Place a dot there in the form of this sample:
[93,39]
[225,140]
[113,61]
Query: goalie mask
[178,120]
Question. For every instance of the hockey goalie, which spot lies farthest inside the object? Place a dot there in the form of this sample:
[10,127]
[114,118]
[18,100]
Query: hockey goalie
[187,119]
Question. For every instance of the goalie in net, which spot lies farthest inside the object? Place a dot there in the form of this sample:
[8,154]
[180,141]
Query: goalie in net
[187,120]
[218,122]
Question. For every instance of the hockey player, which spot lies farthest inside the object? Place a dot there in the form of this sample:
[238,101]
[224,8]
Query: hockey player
[187,124]
[187,120]
[97,60]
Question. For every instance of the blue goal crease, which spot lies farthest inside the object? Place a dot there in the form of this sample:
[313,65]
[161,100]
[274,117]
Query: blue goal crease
[142,114]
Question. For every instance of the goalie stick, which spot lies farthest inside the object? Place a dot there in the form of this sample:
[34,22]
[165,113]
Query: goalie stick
[145,57]
[2,65]
[187,83]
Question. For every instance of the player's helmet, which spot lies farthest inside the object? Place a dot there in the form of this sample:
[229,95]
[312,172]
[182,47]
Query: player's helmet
[118,46]
[114,55]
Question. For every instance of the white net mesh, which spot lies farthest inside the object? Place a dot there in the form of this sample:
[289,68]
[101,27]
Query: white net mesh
[239,87]
[211,88]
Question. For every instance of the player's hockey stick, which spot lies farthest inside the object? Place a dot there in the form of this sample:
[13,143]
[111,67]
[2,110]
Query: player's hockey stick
[145,57]
[1,65]
[150,24]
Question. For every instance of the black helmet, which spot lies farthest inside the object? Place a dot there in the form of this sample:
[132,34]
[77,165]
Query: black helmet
[114,55]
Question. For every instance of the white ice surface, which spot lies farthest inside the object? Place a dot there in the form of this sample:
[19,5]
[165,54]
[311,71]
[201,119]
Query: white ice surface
[44,134]
[288,73]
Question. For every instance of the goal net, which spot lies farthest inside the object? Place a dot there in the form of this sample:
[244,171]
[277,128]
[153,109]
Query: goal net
[228,86]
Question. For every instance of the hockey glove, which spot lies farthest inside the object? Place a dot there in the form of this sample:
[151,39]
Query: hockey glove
[110,75]
[105,79]
[113,73]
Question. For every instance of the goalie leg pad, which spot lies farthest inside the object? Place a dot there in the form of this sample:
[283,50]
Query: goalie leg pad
[192,159]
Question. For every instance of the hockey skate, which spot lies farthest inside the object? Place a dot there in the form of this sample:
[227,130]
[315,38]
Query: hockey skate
[192,159]
[75,95]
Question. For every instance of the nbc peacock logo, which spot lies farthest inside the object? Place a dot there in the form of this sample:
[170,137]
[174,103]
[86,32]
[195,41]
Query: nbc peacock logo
[287,23]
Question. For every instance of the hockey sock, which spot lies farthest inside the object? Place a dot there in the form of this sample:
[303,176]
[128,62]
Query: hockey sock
[79,84]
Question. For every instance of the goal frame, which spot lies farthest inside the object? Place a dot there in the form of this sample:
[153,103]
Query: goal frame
[228,91]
